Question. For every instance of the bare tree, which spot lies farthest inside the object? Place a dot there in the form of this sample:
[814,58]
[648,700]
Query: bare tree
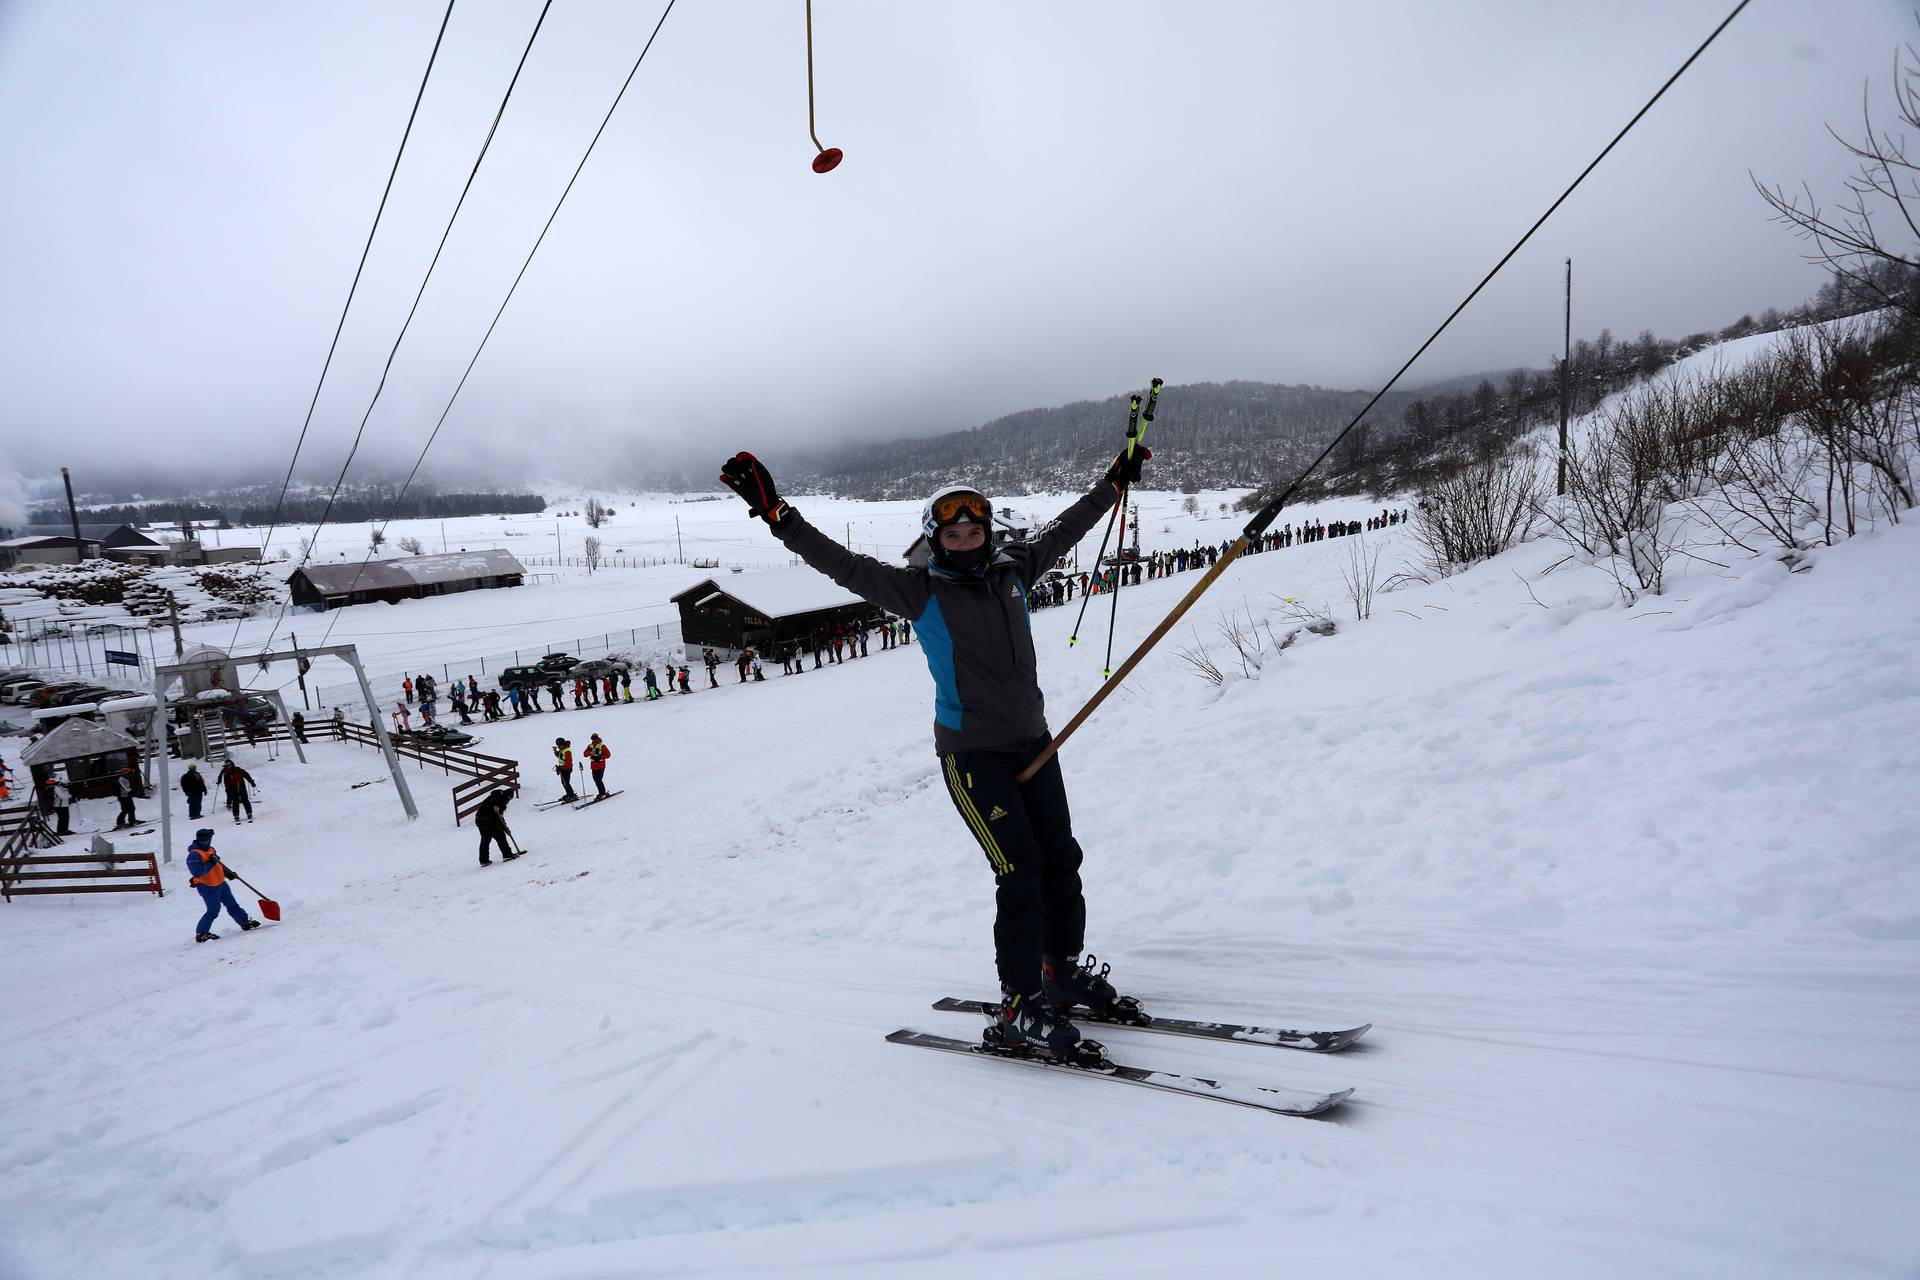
[1201,660]
[1622,476]
[597,513]
[1361,573]
[376,538]
[411,546]
[1871,239]
[1478,511]
[591,550]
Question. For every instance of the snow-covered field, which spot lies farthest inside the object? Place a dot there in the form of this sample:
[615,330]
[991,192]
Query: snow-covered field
[1629,894]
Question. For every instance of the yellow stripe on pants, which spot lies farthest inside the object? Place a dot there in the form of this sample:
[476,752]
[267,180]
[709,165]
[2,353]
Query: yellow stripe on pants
[968,811]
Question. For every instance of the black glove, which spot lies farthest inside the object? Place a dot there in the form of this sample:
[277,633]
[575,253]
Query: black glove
[745,475]
[1126,469]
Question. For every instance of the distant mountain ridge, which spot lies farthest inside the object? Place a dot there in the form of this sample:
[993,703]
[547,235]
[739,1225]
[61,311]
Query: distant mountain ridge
[1208,435]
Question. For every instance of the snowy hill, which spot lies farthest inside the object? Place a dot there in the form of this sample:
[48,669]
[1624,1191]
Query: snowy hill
[1629,895]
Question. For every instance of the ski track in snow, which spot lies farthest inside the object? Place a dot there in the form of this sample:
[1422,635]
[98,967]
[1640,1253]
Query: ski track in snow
[1628,894]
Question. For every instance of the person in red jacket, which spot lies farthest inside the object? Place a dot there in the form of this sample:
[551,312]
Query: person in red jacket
[597,754]
[236,780]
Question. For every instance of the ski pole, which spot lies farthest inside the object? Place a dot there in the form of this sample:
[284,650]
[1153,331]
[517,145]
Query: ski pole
[1119,570]
[1133,425]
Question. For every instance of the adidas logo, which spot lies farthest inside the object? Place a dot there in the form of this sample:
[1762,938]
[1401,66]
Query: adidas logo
[998,812]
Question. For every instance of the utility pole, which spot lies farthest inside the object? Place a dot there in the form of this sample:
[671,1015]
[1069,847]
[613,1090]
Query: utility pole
[1566,381]
[443,537]
[677,540]
[556,539]
[73,514]
[300,665]
[173,617]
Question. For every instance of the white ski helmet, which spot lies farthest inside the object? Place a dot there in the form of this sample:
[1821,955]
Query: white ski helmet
[949,506]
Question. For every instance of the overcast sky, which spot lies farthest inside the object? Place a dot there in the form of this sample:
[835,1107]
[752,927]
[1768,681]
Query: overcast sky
[1041,202]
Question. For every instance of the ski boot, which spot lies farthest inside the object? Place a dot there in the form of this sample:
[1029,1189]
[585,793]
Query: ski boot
[206,937]
[249,926]
[509,856]
[1029,1027]
[1068,982]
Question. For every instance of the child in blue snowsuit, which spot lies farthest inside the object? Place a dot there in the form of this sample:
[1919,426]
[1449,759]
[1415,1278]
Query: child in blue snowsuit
[209,875]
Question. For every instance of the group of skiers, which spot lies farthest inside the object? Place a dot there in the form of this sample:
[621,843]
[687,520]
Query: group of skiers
[1059,588]
[594,756]
[234,782]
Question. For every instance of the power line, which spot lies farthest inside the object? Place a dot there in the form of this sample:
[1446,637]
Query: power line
[538,241]
[412,115]
[419,293]
[1268,513]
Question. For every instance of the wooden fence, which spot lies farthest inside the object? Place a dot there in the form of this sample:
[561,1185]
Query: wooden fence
[480,773]
[126,872]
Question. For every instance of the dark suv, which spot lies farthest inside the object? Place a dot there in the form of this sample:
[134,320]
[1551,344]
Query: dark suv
[525,677]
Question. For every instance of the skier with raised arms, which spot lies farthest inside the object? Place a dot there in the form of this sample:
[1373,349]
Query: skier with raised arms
[969,605]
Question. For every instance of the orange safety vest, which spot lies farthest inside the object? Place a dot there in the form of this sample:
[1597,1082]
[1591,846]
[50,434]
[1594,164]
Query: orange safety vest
[216,875]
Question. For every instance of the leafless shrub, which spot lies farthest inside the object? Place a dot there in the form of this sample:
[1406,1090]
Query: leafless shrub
[1315,619]
[1251,640]
[1763,481]
[1479,511]
[411,546]
[1618,485]
[591,552]
[1197,657]
[1361,573]
[1855,395]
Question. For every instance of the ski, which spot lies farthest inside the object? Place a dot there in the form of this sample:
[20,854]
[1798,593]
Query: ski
[1285,1102]
[554,804]
[588,804]
[1318,1041]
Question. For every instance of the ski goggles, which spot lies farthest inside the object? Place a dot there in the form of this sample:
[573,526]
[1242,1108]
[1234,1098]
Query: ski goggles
[955,507]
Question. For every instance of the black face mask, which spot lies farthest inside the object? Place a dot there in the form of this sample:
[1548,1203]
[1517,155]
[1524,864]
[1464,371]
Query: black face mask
[971,561]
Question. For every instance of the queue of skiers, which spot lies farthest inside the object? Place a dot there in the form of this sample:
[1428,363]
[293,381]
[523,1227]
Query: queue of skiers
[1061,586]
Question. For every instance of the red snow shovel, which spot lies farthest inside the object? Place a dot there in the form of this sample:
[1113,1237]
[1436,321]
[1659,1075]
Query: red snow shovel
[268,907]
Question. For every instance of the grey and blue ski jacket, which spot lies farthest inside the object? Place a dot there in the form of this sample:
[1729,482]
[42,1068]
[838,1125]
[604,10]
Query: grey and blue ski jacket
[973,628]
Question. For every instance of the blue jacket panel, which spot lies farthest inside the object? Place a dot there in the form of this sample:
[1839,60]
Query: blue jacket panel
[973,628]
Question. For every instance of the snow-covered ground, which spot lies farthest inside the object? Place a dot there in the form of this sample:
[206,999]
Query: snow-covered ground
[1629,894]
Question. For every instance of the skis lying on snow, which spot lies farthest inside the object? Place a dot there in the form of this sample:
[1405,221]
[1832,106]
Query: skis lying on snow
[1316,1041]
[588,804]
[1286,1102]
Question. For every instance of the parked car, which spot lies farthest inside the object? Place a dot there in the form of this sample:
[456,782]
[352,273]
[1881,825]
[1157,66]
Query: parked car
[525,677]
[84,694]
[223,612]
[45,694]
[20,690]
[558,663]
[104,628]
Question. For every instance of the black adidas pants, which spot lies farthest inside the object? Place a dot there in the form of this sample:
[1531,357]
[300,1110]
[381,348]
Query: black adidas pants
[1027,835]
